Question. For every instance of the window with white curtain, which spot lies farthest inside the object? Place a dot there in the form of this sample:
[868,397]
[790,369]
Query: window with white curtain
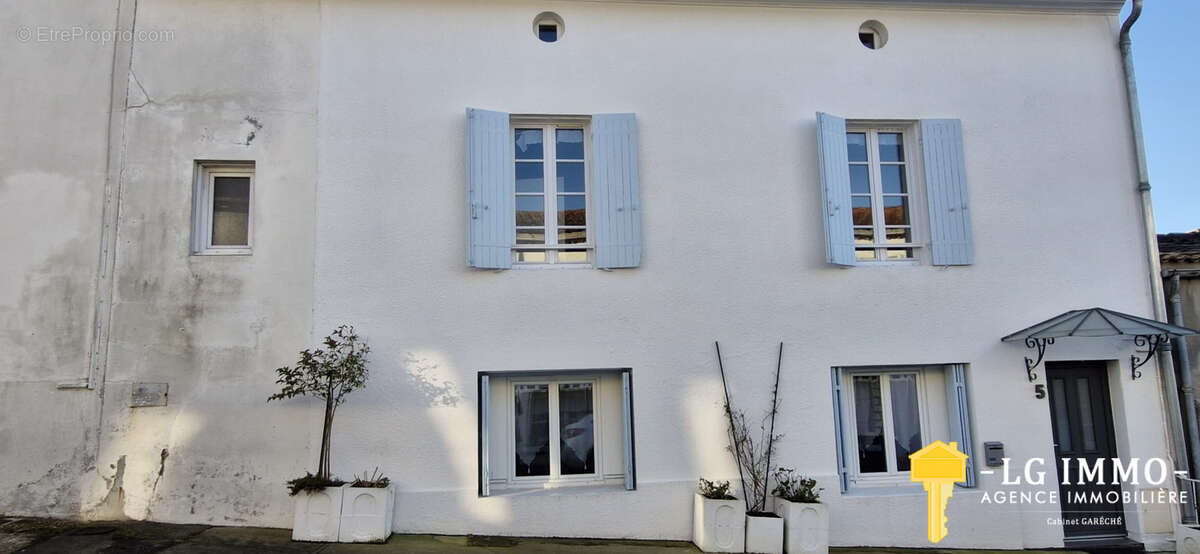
[887,414]
[545,430]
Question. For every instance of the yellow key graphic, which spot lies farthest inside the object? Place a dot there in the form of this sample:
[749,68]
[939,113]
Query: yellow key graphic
[938,466]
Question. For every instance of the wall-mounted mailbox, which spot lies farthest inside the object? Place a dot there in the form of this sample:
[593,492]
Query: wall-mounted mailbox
[993,454]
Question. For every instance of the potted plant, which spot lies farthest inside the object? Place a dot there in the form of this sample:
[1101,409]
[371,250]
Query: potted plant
[328,373]
[718,524]
[367,506]
[805,519]
[753,451]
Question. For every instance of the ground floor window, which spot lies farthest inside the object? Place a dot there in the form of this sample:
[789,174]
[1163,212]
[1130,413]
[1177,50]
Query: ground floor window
[883,414]
[547,429]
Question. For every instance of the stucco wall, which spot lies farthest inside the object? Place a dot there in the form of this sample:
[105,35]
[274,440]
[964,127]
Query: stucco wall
[52,174]
[367,98]
[733,240]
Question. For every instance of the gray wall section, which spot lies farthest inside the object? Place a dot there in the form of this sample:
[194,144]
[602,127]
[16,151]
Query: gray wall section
[52,191]
[1190,295]
[226,80]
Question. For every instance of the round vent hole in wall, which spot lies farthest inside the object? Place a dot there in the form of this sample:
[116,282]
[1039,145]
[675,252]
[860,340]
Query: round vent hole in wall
[548,27]
[872,34]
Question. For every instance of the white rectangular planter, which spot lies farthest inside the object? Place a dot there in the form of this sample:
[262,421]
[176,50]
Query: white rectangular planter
[318,515]
[719,525]
[805,527]
[367,514]
[764,534]
[1187,539]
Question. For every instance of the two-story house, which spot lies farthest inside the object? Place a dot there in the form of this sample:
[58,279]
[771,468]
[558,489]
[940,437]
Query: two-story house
[542,215]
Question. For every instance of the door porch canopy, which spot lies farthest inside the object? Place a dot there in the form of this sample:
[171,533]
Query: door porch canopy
[1147,334]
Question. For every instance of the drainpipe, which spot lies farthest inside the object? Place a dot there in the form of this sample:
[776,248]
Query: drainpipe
[1185,374]
[1166,363]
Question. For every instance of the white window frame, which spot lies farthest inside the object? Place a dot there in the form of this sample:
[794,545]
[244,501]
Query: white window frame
[556,477]
[916,189]
[203,191]
[892,477]
[548,126]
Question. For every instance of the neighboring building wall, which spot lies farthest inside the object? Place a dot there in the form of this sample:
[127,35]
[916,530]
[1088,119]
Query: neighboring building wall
[1189,294]
[725,99]
[54,109]
[235,81]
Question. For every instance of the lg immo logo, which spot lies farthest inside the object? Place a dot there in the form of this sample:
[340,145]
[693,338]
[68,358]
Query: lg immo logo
[1120,475]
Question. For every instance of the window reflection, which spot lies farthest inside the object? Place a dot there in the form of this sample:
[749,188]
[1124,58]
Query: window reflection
[576,436]
[868,408]
[532,430]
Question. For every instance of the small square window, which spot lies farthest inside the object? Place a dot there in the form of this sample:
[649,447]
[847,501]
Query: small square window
[548,33]
[222,215]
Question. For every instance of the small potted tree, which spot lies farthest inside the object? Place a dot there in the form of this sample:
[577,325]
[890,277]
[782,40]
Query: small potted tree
[328,373]
[805,519]
[718,524]
[367,507]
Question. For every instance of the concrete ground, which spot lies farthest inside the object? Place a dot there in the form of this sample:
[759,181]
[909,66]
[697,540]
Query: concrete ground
[29,535]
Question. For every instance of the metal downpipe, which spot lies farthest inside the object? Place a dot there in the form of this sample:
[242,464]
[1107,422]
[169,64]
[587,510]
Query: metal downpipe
[1166,362]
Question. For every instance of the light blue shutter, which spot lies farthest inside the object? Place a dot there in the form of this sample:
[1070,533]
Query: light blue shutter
[960,417]
[842,459]
[835,189]
[491,190]
[946,189]
[485,471]
[627,435]
[616,191]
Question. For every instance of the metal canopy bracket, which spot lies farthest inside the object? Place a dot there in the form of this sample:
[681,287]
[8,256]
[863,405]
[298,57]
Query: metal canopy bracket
[1148,335]
[1150,344]
[1040,345]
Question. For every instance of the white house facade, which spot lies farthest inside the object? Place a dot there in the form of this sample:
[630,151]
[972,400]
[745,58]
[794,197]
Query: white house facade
[541,216]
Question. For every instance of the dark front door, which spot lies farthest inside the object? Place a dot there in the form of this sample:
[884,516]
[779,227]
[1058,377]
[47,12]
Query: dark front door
[1081,414]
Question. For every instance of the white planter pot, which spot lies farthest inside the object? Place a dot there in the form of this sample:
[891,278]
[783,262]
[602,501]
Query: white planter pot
[805,527]
[318,515]
[719,525]
[367,514]
[764,534]
[1187,539]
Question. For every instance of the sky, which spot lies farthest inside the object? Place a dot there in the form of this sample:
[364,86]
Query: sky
[1167,65]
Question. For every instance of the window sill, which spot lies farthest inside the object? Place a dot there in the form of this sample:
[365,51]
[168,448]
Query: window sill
[565,489]
[551,266]
[886,490]
[874,263]
[913,489]
[225,252]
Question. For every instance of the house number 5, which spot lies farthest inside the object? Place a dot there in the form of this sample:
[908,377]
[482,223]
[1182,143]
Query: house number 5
[1039,391]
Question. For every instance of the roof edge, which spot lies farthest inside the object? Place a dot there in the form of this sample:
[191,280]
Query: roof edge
[1098,7]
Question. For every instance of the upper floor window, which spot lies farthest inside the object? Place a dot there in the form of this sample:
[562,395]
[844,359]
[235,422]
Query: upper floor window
[553,190]
[222,219]
[894,191]
[550,162]
[880,193]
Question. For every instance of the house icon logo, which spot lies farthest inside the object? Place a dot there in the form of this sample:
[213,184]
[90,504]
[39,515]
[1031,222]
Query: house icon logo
[939,465]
